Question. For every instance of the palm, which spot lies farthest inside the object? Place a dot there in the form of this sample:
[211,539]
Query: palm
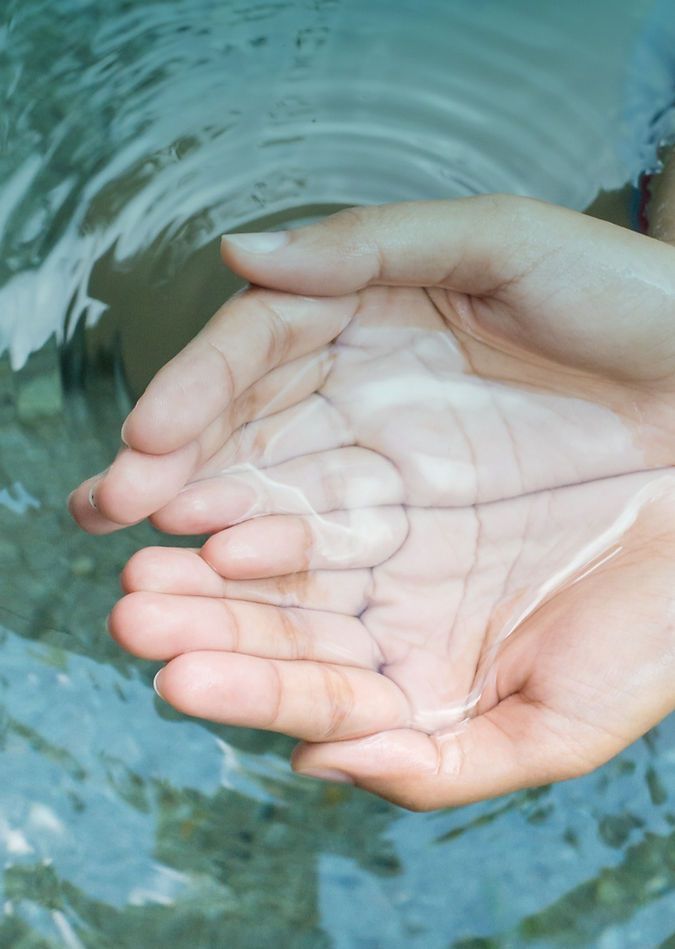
[569,583]
[435,508]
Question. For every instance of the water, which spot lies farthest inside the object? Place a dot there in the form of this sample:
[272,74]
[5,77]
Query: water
[132,134]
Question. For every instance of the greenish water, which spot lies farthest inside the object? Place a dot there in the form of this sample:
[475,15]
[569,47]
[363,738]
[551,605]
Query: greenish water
[133,134]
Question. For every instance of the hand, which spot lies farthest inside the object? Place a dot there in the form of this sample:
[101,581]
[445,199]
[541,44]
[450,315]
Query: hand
[579,678]
[431,664]
[543,297]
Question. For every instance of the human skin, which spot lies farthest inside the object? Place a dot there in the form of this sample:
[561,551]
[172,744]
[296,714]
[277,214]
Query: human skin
[299,619]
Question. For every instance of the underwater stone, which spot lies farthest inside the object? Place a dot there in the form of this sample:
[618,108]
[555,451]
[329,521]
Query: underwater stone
[82,566]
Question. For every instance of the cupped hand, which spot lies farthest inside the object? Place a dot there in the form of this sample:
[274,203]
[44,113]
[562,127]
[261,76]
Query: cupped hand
[536,298]
[408,456]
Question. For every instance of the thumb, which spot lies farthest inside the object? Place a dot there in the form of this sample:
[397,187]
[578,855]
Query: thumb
[476,245]
[554,281]
[466,244]
[512,746]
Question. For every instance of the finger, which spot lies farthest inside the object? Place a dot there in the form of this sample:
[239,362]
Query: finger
[137,484]
[508,254]
[280,544]
[178,570]
[275,395]
[336,591]
[249,336]
[81,507]
[181,571]
[162,626]
[346,478]
[310,427]
[282,388]
[134,485]
[515,745]
[465,244]
[309,700]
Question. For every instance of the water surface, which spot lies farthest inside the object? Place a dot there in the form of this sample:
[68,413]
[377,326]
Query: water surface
[132,134]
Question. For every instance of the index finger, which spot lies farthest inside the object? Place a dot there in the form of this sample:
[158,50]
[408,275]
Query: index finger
[249,336]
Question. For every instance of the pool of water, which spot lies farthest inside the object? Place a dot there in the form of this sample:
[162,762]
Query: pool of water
[132,134]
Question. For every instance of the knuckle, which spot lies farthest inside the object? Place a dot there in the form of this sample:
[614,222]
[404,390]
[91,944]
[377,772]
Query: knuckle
[356,215]
[233,625]
[334,484]
[340,701]
[307,541]
[356,228]
[229,381]
[294,639]
[276,697]
[244,408]
[278,333]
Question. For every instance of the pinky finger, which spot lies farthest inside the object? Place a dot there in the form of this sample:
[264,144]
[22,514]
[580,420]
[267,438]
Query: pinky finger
[314,701]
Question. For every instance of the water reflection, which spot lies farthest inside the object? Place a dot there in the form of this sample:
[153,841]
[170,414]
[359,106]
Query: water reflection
[136,133]
[135,123]
[111,811]
[120,816]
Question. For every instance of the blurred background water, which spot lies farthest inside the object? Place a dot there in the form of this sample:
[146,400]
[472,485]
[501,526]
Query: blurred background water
[131,135]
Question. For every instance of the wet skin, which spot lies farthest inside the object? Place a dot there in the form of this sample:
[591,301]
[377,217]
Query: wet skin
[383,514]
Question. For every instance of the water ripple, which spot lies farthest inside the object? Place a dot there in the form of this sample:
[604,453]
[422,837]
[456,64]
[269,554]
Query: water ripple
[131,123]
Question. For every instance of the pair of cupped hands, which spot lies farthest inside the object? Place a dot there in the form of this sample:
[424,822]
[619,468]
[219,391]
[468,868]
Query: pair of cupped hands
[431,447]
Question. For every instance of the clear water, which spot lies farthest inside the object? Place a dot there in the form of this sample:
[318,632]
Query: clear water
[131,135]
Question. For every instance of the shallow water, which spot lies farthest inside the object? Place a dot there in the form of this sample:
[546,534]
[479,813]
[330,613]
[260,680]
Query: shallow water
[132,135]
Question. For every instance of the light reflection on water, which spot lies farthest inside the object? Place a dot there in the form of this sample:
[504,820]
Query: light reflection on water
[130,124]
[133,134]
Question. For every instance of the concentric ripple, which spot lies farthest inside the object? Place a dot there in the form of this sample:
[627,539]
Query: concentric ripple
[133,133]
[160,125]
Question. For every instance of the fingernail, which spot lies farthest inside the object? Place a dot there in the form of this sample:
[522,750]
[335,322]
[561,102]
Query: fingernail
[123,433]
[92,494]
[328,774]
[263,243]
[155,684]
[93,487]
